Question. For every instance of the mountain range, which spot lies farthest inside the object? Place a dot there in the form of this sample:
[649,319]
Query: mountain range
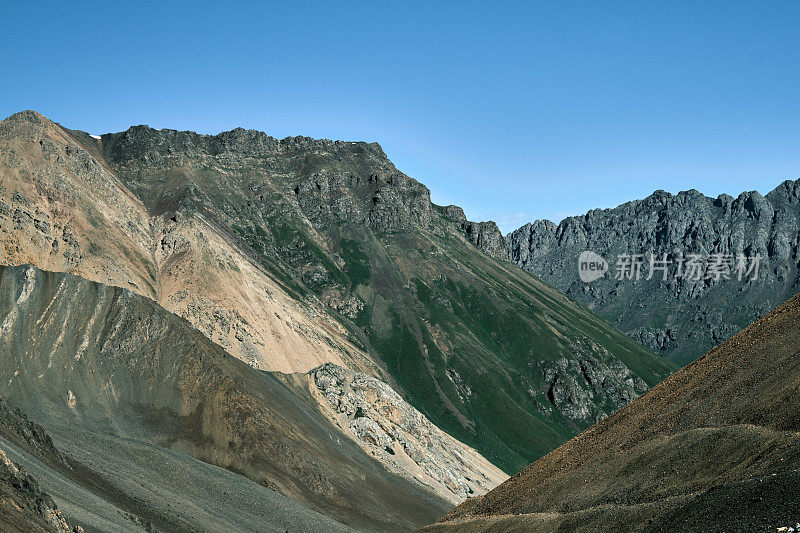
[292,318]
[234,332]
[679,318]
[293,253]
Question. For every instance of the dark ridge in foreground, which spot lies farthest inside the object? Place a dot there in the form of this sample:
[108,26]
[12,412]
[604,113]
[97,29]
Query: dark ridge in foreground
[714,447]
[24,506]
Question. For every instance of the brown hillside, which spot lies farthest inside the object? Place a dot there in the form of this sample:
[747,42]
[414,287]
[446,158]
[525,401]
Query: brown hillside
[713,447]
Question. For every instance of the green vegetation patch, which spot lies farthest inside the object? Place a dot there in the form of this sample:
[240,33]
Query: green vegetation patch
[356,262]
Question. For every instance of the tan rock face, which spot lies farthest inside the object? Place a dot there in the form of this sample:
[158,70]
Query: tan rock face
[237,305]
[63,209]
[401,437]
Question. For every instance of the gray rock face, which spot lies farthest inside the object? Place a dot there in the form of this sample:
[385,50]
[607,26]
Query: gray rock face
[22,497]
[679,318]
[401,437]
[578,385]
[364,188]
[486,236]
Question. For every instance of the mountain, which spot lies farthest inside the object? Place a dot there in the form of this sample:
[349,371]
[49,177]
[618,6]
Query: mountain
[679,318]
[63,209]
[294,253]
[714,447]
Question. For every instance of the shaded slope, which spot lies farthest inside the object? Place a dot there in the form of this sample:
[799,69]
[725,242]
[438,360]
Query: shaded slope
[103,360]
[678,318]
[110,484]
[120,485]
[714,447]
[488,353]
[24,506]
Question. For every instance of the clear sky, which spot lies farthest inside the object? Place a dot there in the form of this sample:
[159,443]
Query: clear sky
[515,111]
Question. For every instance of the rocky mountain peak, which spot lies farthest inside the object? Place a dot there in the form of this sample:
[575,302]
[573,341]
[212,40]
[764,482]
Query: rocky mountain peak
[688,317]
[25,123]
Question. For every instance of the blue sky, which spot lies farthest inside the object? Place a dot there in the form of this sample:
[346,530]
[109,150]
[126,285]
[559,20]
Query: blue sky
[515,111]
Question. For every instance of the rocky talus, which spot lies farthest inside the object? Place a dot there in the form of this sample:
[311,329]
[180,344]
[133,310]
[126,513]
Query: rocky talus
[679,318]
[401,437]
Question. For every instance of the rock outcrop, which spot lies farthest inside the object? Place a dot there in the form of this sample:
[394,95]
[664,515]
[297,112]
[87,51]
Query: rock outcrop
[582,387]
[24,507]
[486,236]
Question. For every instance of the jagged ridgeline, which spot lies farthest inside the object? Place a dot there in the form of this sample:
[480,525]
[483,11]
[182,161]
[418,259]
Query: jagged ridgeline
[291,253]
[678,318]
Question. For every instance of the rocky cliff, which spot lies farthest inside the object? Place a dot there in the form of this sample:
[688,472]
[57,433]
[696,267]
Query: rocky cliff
[678,317]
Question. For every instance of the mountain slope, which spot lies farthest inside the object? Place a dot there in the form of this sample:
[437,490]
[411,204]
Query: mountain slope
[94,364]
[679,318]
[110,484]
[471,342]
[714,447]
[297,252]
